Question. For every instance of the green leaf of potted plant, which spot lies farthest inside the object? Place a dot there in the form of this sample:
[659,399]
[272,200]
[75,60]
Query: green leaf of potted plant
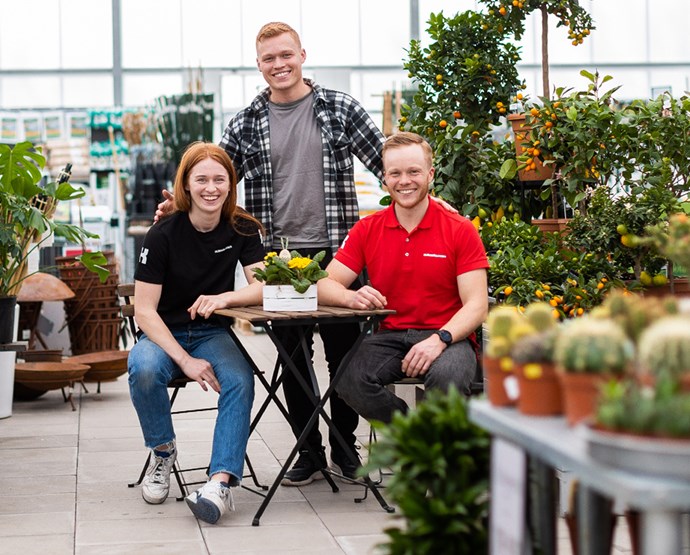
[26,222]
[290,280]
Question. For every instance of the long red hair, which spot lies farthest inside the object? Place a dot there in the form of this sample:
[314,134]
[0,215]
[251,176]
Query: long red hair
[195,153]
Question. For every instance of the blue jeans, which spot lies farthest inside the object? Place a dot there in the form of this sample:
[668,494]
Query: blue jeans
[378,362]
[150,370]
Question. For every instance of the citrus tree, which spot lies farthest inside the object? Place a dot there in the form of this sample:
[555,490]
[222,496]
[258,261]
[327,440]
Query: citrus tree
[508,16]
[464,78]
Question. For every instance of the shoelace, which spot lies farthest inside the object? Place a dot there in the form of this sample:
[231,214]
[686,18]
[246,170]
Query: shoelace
[159,470]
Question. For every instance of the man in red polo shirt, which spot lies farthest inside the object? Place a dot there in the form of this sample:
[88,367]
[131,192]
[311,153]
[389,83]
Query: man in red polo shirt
[428,265]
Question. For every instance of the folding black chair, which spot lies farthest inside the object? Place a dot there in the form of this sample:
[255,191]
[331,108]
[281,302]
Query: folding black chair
[125,292]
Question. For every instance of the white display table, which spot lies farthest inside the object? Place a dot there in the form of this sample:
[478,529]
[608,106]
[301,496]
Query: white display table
[660,500]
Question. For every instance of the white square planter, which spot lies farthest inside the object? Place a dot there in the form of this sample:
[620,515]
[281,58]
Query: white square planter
[281,298]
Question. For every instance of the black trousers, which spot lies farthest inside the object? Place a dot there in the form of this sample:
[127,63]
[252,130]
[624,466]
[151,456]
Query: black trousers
[337,341]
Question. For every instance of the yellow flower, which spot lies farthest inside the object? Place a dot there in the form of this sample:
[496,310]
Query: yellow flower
[299,263]
[270,255]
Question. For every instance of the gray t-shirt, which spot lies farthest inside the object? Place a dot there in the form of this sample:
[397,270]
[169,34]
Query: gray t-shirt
[299,208]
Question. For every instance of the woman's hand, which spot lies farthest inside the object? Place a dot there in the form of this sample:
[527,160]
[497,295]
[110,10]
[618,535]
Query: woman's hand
[206,305]
[201,372]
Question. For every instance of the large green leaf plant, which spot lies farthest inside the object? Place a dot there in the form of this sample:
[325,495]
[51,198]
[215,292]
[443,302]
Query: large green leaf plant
[24,225]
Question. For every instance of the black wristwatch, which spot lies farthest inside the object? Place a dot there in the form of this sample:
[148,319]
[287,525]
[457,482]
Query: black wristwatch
[445,336]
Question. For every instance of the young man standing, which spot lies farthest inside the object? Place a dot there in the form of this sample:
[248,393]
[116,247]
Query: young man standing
[428,265]
[293,145]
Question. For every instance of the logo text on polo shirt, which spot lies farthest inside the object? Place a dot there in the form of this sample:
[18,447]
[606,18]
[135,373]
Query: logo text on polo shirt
[432,255]
[223,249]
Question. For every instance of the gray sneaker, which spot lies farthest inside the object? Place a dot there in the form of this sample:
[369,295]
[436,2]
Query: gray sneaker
[211,501]
[156,484]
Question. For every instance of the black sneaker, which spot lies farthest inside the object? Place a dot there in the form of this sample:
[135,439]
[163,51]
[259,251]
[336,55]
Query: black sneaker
[341,464]
[304,471]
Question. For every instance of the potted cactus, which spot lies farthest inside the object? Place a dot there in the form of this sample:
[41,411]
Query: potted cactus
[503,326]
[664,353]
[540,392]
[590,352]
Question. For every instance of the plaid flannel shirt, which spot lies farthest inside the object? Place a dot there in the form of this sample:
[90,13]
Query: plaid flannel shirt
[347,130]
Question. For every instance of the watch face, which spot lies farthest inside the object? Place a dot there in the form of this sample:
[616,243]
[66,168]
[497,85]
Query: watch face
[445,336]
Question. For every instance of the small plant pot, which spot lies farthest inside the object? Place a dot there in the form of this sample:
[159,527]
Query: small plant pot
[552,225]
[580,394]
[496,371]
[540,391]
[285,298]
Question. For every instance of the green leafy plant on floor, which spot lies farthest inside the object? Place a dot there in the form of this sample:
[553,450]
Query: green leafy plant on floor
[440,464]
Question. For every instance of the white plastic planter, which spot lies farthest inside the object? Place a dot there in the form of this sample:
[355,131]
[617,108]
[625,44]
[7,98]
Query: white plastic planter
[7,361]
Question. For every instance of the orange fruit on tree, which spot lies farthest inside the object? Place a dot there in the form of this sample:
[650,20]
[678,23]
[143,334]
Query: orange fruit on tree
[443,124]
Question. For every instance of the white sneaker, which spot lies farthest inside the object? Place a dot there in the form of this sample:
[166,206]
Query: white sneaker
[156,484]
[211,501]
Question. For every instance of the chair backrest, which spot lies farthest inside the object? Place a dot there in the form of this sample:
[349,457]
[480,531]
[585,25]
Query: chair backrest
[125,292]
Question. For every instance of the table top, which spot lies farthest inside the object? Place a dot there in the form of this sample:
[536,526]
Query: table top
[554,442]
[257,315]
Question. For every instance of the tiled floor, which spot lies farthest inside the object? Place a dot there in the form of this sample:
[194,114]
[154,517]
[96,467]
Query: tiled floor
[64,475]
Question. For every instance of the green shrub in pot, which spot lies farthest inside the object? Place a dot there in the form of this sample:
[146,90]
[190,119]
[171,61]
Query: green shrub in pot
[440,481]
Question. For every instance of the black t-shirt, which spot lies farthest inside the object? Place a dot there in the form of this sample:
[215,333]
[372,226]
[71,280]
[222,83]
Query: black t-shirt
[188,263]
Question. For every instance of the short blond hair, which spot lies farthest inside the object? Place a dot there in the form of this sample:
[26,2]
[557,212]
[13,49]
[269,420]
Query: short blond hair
[405,138]
[274,29]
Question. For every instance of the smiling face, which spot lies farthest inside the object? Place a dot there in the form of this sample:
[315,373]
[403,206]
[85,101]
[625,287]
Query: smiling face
[408,174]
[280,60]
[208,186]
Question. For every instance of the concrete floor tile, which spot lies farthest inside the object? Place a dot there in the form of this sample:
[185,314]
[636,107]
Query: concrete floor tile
[355,545]
[59,544]
[351,524]
[160,548]
[130,508]
[268,538]
[30,502]
[37,524]
[54,484]
[38,441]
[148,530]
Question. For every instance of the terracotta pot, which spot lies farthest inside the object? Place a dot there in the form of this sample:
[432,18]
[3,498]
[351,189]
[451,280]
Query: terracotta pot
[681,288]
[550,225]
[580,394]
[521,131]
[103,365]
[540,391]
[49,375]
[496,370]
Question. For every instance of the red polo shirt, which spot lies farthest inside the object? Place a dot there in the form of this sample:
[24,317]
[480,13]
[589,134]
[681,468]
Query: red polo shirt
[417,271]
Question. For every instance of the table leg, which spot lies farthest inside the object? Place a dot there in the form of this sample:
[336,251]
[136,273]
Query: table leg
[660,532]
[318,412]
[595,522]
[542,506]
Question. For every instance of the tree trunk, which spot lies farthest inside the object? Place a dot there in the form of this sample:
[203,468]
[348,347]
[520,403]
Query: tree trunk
[545,50]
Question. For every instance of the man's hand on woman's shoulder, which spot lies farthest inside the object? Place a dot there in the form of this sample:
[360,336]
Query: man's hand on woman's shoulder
[165,207]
